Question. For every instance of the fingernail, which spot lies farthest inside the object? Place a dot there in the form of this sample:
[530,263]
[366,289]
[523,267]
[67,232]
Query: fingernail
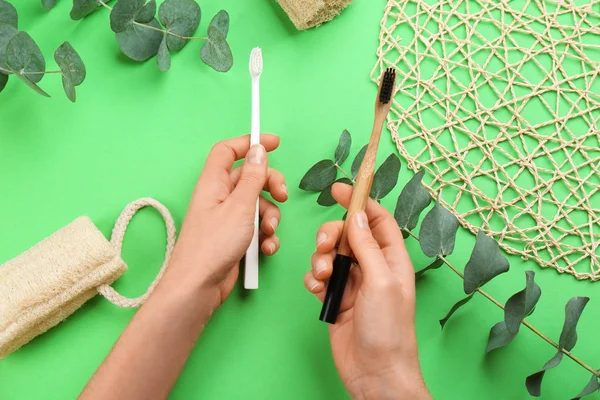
[313,285]
[257,154]
[284,188]
[320,266]
[361,220]
[272,248]
[321,238]
[274,223]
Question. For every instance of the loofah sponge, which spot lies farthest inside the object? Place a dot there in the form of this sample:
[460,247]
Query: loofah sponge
[47,283]
[309,13]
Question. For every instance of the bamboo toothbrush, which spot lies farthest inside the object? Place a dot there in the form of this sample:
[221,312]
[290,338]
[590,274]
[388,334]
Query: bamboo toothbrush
[256,67]
[344,259]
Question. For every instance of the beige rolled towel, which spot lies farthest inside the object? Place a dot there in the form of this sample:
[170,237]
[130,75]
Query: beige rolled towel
[47,283]
[309,13]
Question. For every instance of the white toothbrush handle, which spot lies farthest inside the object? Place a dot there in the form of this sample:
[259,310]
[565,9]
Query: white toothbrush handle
[251,268]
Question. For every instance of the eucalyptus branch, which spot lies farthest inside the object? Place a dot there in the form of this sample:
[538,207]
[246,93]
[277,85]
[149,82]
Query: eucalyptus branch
[525,323]
[9,71]
[164,31]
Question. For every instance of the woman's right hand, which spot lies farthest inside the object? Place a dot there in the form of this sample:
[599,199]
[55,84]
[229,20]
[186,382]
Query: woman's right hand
[374,342]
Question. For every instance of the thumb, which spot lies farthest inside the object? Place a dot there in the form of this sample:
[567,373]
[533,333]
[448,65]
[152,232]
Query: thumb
[366,249]
[252,178]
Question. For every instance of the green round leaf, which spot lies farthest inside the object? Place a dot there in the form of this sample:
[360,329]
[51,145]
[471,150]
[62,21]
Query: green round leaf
[413,199]
[358,160]
[126,12]
[8,14]
[319,176]
[435,264]
[180,17]
[48,4]
[3,80]
[326,199]
[454,308]
[83,8]
[7,32]
[123,14]
[343,149]
[140,43]
[517,307]
[592,386]
[486,263]
[70,64]
[221,22]
[72,68]
[438,232]
[216,52]
[146,13]
[31,84]
[385,178]
[164,57]
[23,56]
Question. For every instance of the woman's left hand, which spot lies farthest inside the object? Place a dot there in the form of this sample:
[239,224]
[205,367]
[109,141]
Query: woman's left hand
[219,224]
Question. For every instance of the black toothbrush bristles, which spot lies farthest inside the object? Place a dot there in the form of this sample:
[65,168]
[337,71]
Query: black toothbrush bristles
[387,86]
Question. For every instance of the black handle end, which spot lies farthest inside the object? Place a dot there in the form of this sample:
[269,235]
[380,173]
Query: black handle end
[335,288]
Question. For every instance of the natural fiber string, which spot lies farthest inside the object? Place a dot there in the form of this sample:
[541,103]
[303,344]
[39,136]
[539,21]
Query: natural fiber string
[117,241]
[499,102]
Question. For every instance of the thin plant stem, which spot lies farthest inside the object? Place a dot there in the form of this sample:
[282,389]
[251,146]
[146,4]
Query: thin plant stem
[169,33]
[103,4]
[527,324]
[344,172]
[8,71]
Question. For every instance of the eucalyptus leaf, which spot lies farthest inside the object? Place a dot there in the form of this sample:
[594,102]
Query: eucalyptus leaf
[7,32]
[72,68]
[385,178]
[8,14]
[455,307]
[567,341]
[180,17]
[358,160]
[486,263]
[140,43]
[592,386]
[343,148]
[319,176]
[438,232]
[326,199]
[221,22]
[517,307]
[48,4]
[32,85]
[123,14]
[23,56]
[3,80]
[413,199]
[83,8]
[146,12]
[164,57]
[438,262]
[216,52]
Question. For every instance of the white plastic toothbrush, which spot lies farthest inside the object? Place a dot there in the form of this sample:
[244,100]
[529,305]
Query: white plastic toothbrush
[256,67]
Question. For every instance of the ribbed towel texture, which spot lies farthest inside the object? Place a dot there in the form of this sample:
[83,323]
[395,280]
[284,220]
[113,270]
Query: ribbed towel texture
[309,13]
[47,283]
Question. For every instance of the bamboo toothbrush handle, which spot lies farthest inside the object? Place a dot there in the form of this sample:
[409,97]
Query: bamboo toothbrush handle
[364,180]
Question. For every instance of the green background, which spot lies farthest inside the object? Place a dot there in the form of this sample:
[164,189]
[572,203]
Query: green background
[137,132]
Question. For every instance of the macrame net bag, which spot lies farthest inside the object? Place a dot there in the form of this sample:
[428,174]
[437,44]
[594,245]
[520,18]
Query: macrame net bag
[499,102]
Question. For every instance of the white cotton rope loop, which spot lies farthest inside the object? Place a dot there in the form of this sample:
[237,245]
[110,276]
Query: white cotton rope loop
[117,241]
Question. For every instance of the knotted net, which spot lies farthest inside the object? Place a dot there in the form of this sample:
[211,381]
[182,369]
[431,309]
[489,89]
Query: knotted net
[499,102]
